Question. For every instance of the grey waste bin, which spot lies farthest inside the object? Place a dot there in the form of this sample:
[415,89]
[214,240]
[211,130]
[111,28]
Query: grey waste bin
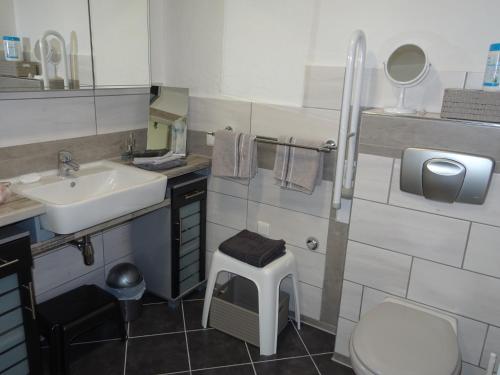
[126,283]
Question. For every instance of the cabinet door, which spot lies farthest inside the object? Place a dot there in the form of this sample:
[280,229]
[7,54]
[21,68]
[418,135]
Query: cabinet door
[19,340]
[120,41]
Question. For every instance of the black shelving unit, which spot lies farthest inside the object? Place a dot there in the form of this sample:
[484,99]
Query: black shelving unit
[19,338]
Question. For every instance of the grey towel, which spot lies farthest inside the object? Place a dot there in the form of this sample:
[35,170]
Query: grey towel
[234,155]
[298,168]
[252,248]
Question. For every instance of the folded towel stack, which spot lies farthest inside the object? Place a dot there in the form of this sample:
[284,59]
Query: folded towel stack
[234,155]
[252,248]
[167,161]
[297,168]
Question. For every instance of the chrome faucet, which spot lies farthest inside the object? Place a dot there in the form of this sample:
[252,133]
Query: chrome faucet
[66,164]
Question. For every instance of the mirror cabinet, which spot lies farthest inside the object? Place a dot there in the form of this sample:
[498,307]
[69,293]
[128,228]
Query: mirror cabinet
[73,44]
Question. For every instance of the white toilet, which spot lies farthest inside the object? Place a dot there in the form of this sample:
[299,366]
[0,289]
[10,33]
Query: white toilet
[401,338]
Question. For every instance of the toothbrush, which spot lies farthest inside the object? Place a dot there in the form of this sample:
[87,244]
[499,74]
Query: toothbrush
[491,365]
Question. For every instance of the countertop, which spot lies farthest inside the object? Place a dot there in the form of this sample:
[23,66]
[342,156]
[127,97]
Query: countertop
[18,208]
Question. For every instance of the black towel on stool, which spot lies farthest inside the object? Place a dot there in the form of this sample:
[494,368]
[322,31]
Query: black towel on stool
[252,248]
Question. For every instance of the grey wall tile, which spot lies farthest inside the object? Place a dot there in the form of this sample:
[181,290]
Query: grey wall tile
[93,277]
[64,264]
[380,269]
[41,120]
[462,292]
[37,157]
[372,298]
[344,331]
[483,253]
[226,210]
[117,242]
[488,213]
[323,86]
[351,300]
[309,298]
[400,132]
[264,188]
[294,227]
[373,177]
[121,112]
[305,123]
[208,114]
[334,271]
[415,233]
[468,369]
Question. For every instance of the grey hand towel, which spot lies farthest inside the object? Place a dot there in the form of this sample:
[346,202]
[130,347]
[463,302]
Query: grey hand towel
[234,155]
[298,168]
[252,248]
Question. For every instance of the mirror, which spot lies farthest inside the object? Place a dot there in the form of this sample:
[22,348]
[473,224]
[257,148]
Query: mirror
[167,130]
[406,67]
[46,45]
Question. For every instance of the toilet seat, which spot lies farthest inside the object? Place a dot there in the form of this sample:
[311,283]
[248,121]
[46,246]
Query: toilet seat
[396,339]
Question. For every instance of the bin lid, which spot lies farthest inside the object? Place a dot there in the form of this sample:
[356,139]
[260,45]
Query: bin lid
[124,275]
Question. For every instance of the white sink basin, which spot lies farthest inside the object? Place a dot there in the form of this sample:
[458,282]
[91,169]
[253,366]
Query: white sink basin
[98,192]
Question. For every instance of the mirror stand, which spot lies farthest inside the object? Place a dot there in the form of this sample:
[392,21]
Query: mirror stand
[400,107]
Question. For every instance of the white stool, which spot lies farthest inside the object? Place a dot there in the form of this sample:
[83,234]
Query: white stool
[268,280]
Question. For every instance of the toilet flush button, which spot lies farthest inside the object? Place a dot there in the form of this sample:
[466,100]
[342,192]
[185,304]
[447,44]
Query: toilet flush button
[442,179]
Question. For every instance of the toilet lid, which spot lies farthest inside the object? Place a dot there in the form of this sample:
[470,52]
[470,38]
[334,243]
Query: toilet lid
[394,339]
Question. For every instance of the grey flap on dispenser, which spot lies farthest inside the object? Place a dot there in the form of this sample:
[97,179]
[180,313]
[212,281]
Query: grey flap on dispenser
[446,176]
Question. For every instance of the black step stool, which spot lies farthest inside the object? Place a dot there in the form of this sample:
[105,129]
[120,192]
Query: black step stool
[68,315]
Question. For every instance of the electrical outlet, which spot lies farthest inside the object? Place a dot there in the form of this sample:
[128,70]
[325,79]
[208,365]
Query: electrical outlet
[263,228]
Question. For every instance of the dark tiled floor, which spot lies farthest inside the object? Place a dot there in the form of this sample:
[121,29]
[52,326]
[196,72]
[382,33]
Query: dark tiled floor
[169,340]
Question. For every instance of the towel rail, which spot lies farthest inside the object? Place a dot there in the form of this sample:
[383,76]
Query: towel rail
[328,146]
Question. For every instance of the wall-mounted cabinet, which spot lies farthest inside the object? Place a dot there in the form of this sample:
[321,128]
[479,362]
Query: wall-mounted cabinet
[120,39]
[73,44]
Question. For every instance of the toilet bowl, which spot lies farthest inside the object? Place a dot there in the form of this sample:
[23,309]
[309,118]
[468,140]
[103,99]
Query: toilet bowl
[401,338]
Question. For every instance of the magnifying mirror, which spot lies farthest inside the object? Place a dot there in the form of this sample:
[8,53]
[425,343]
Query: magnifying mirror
[406,67]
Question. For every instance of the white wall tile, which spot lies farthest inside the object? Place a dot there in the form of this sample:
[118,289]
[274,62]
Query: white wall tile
[487,213]
[121,113]
[415,233]
[117,242]
[323,86]
[94,277]
[492,345]
[293,227]
[462,292]
[483,250]
[372,298]
[226,210]
[344,331]
[468,369]
[208,114]
[380,269]
[64,264]
[41,120]
[373,177]
[263,188]
[351,300]
[310,265]
[309,296]
[228,186]
[305,123]
[216,234]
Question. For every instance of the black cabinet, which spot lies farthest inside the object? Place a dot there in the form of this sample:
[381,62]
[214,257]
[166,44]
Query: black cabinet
[188,235]
[19,339]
